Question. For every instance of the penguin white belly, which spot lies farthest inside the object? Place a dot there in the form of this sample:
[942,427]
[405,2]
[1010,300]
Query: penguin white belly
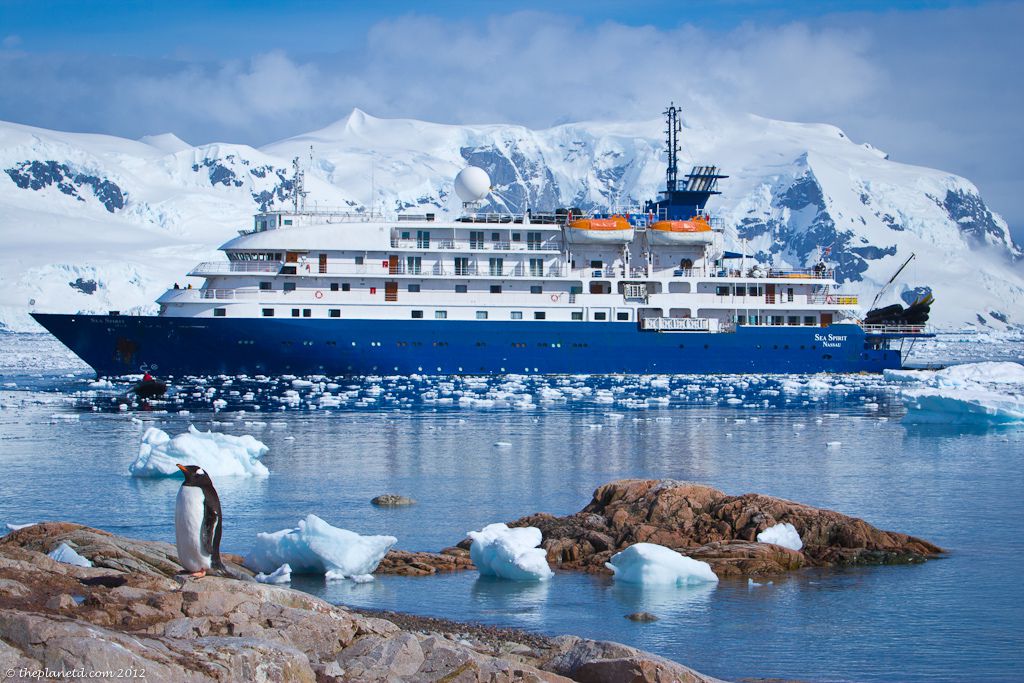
[188,529]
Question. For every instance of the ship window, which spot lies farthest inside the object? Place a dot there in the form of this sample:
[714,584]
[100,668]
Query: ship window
[345,287]
[334,313]
[793,320]
[600,316]
[809,320]
[440,315]
[359,260]
[516,315]
[334,286]
[539,315]
[777,320]
[295,313]
[289,286]
[741,290]
[461,289]
[481,315]
[597,264]
[577,315]
[622,316]
[517,237]
[495,236]
[417,314]
[287,221]
[268,312]
[495,289]
[422,239]
[307,312]
[536,289]
[406,234]
[220,312]
[722,290]
[537,267]
[755,290]
[265,286]
[476,239]
[413,288]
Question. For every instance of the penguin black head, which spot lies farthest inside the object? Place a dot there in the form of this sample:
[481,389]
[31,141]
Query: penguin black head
[196,476]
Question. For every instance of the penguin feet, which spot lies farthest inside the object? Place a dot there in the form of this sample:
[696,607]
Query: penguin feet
[197,575]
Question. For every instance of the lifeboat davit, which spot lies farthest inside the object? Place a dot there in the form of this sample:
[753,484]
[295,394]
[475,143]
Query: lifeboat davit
[614,230]
[695,231]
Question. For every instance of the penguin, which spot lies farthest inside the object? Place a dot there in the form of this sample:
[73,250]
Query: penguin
[197,523]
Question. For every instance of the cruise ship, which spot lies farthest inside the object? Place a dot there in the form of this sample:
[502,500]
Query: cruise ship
[651,289]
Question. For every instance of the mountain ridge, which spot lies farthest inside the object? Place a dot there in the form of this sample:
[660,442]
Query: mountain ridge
[793,188]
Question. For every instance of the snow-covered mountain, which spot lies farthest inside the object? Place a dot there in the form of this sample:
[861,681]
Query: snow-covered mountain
[94,223]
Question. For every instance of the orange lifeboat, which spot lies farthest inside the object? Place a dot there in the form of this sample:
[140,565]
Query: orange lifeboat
[614,230]
[694,231]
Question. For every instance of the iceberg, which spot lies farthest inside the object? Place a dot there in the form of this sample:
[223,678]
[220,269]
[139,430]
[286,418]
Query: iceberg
[783,534]
[316,547]
[510,553]
[649,564]
[66,554]
[979,393]
[282,574]
[221,455]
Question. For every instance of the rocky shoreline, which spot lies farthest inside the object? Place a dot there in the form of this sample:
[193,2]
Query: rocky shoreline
[698,521]
[132,612]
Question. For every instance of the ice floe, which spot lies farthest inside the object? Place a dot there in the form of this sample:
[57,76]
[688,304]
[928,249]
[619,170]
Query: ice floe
[221,455]
[650,564]
[986,393]
[783,534]
[66,554]
[510,554]
[316,547]
[282,574]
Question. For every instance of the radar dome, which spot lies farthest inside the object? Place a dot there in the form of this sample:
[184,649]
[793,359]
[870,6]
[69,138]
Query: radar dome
[472,184]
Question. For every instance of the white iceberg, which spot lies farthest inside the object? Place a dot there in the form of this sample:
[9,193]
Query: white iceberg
[986,393]
[316,547]
[650,564]
[66,554]
[221,455]
[15,527]
[282,574]
[783,534]
[510,553]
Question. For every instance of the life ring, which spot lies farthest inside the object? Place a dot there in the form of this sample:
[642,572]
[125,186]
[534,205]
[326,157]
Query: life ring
[319,294]
[556,297]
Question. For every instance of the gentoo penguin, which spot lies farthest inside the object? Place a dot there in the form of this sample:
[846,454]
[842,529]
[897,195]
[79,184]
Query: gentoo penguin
[197,522]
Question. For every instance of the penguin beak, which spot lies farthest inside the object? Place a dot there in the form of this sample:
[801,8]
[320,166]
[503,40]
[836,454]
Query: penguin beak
[182,468]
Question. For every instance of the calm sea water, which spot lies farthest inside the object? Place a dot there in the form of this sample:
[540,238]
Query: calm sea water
[65,450]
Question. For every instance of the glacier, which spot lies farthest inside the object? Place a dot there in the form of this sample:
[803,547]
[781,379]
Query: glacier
[93,223]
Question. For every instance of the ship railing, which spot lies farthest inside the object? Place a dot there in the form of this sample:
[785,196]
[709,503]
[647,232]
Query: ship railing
[833,299]
[895,329]
[678,324]
[474,245]
[227,267]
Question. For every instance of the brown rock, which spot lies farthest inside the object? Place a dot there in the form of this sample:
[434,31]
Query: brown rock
[405,563]
[706,524]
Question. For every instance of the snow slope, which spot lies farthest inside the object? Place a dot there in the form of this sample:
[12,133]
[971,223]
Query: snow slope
[92,223]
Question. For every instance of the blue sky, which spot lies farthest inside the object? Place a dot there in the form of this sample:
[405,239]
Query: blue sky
[932,83]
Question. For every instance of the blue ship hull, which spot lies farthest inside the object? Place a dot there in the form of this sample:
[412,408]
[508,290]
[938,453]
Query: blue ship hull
[175,346]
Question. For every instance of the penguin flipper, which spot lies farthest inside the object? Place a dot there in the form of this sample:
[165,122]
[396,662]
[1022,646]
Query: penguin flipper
[209,536]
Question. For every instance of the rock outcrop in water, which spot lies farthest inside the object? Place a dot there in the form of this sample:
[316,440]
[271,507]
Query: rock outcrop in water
[130,612]
[706,524]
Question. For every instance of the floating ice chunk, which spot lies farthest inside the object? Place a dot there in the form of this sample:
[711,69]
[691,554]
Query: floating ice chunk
[282,574]
[510,553]
[502,444]
[783,534]
[220,455]
[985,393]
[650,564]
[833,444]
[316,547]
[66,554]
[15,527]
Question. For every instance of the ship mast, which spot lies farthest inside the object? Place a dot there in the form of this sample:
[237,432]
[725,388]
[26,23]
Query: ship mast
[672,130]
[299,191]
